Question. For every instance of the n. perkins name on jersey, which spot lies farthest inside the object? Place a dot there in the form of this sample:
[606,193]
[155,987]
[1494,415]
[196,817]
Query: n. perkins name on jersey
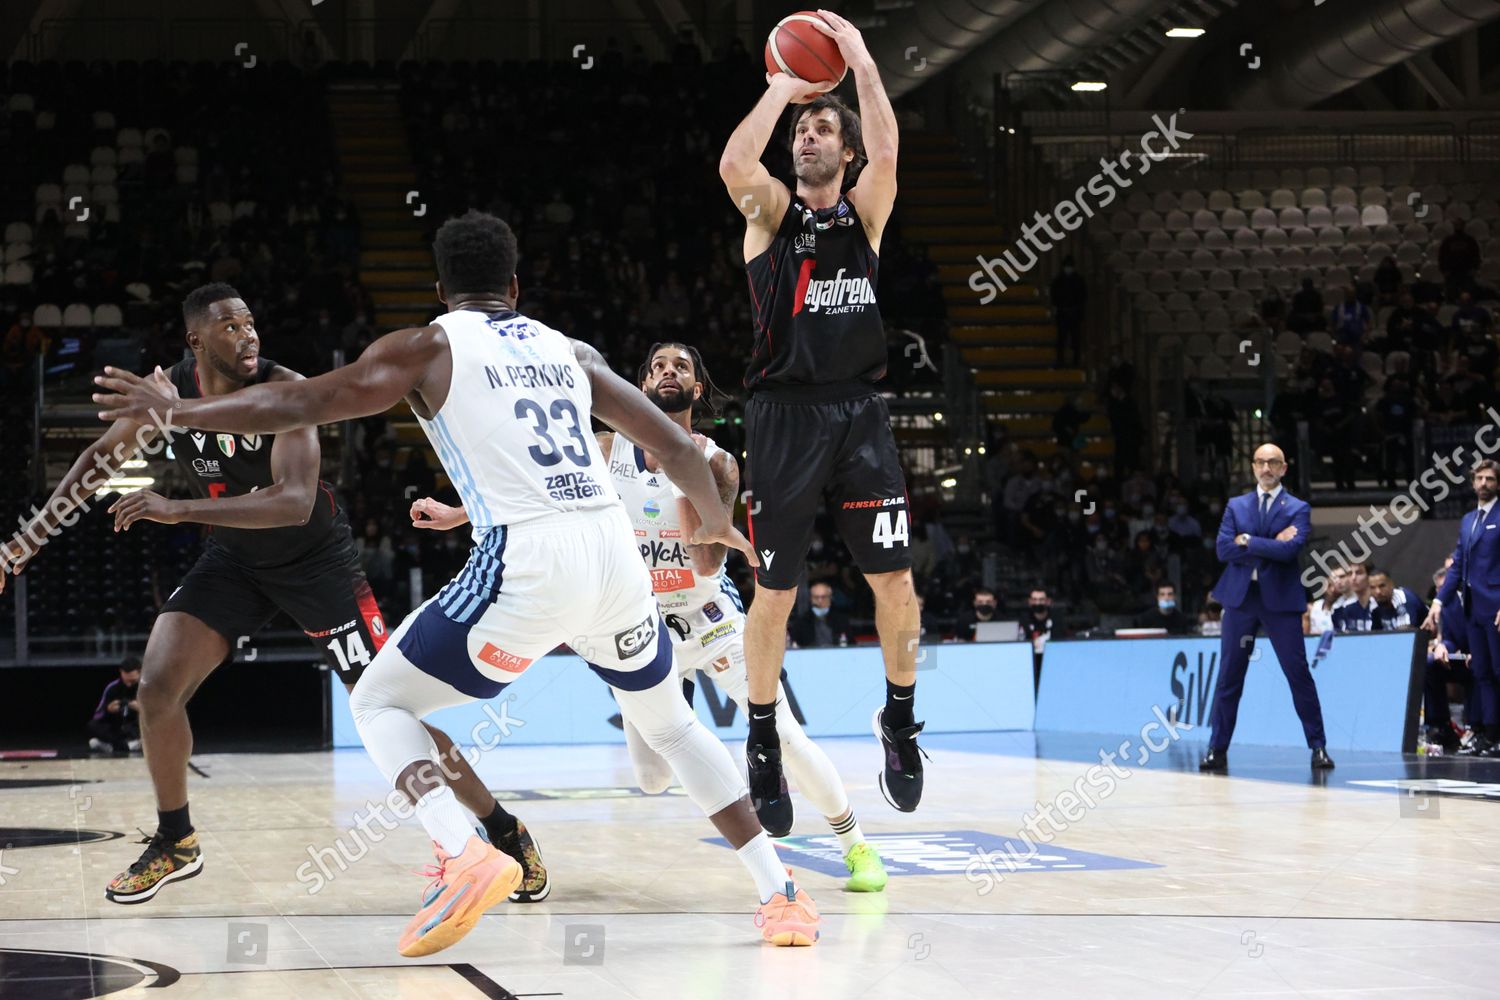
[529,376]
[832,296]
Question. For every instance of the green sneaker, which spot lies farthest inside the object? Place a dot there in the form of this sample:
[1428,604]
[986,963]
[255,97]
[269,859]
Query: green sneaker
[866,870]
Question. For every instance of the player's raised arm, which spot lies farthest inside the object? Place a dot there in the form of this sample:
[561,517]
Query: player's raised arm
[296,458]
[875,192]
[395,365]
[625,408]
[709,559]
[761,198]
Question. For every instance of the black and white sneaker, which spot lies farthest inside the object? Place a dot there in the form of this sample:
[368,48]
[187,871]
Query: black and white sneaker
[521,845]
[768,791]
[901,780]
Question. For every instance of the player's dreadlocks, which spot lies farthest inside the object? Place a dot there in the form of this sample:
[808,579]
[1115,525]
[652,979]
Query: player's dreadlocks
[700,372]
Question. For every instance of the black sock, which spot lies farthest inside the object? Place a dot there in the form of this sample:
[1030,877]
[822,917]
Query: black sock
[499,824]
[898,705]
[763,726]
[174,823]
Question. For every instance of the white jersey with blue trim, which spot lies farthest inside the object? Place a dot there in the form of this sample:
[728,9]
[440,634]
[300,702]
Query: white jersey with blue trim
[649,500]
[514,434]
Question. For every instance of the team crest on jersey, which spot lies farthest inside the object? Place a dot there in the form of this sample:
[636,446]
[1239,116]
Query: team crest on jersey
[652,509]
[377,626]
[198,440]
[251,441]
[712,613]
[226,444]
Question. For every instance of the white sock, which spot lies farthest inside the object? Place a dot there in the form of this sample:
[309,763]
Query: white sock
[447,823]
[848,831]
[759,856]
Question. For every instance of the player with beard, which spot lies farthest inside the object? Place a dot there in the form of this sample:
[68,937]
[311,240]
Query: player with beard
[278,541]
[696,597]
[817,428]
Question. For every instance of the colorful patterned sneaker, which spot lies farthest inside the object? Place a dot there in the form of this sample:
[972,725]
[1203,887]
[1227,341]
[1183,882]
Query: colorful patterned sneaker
[161,862]
[463,887]
[901,780]
[789,918]
[866,870]
[522,847]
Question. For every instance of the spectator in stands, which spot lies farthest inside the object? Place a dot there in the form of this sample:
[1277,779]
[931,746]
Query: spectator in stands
[1470,319]
[116,723]
[1166,614]
[1210,619]
[1069,296]
[1396,412]
[1126,427]
[1068,421]
[1145,565]
[1182,524]
[1332,429]
[1458,258]
[1318,618]
[1307,309]
[1387,282]
[820,624]
[1019,489]
[1350,320]
[982,608]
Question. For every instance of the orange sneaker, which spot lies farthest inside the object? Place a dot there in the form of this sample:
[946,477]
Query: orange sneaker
[789,918]
[463,887]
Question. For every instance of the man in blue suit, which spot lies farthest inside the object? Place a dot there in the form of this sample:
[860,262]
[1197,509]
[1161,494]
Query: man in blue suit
[1475,576]
[1259,539]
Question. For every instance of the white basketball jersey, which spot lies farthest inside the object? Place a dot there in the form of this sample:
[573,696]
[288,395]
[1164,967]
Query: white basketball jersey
[658,530]
[514,434]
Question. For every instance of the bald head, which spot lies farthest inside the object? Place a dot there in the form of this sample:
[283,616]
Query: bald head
[1268,465]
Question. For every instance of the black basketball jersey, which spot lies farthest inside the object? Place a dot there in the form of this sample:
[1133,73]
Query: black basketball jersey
[220,465]
[812,296]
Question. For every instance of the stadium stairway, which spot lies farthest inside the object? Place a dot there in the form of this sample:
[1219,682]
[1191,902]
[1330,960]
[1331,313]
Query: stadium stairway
[1010,344]
[376,164]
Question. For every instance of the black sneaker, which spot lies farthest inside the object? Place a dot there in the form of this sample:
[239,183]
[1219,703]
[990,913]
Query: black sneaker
[768,791]
[901,781]
[534,885]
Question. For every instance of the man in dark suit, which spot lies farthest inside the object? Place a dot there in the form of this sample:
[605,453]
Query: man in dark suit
[1259,539]
[820,625]
[1475,577]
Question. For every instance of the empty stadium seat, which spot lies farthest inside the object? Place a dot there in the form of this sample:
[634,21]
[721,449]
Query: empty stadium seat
[1246,239]
[1282,198]
[1140,201]
[1187,241]
[1320,217]
[47,316]
[1319,340]
[1388,233]
[1162,203]
[1291,177]
[1345,216]
[1232,218]
[1232,260]
[1199,345]
[1371,175]
[1318,177]
[1261,259]
[1262,218]
[103,156]
[1177,220]
[18,273]
[1360,235]
[1191,201]
[1331,237]
[17,251]
[78,315]
[1220,201]
[1148,221]
[1313,198]
[1322,258]
[1191,281]
[75,173]
[1216,239]
[1249,200]
[1203,260]
[1220,280]
[1160,282]
[1345,176]
[1274,237]
[1342,195]
[1160,241]
[1290,217]
[108,315]
[1204,220]
[1213,366]
[1174,260]
[1265,179]
[1373,196]
[1132,241]
[1303,237]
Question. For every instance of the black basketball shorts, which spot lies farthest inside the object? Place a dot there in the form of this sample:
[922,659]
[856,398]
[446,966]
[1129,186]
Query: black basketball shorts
[802,455]
[326,594]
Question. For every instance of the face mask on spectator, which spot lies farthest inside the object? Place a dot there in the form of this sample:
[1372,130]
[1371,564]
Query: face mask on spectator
[984,609]
[1039,609]
[1167,604]
[819,612]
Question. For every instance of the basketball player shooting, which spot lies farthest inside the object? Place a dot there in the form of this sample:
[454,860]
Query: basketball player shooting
[816,426]
[506,403]
[279,541]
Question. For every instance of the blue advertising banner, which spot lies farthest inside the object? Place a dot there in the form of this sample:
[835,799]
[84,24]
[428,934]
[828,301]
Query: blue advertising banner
[963,687]
[1112,686]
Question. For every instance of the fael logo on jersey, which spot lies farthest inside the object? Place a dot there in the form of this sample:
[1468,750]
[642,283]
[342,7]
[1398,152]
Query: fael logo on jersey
[631,641]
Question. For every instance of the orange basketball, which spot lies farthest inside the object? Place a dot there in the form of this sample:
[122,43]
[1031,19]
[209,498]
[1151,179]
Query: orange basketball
[797,48]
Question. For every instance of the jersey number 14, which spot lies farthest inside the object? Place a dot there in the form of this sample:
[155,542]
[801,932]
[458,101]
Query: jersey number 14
[349,650]
[887,535]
